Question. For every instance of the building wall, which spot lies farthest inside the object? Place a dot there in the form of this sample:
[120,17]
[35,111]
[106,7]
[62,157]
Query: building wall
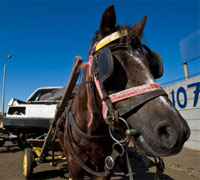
[185,96]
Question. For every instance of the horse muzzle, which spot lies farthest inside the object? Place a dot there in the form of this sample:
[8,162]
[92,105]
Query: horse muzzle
[168,141]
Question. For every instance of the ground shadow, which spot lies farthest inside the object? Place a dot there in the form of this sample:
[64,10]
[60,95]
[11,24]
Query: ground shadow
[140,165]
[10,148]
[140,176]
[50,174]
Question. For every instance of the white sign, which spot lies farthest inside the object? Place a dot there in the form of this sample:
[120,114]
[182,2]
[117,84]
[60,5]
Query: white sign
[185,96]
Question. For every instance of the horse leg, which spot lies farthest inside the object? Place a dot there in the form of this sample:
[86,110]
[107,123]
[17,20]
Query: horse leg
[75,170]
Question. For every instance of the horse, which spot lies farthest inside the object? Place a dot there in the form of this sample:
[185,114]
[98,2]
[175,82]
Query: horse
[119,98]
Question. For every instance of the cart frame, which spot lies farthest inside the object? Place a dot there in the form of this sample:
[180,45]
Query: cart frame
[38,152]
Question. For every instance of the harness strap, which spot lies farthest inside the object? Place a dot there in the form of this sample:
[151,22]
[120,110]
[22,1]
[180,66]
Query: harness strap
[56,126]
[160,166]
[129,167]
[140,101]
[128,93]
[75,127]
[78,159]
[109,106]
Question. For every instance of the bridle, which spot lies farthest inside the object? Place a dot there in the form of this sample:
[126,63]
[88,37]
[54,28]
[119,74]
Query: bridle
[147,91]
[112,116]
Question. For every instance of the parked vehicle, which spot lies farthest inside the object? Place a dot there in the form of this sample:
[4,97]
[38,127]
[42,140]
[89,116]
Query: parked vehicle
[32,117]
[6,135]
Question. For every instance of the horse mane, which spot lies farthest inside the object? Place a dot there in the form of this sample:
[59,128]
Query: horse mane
[86,97]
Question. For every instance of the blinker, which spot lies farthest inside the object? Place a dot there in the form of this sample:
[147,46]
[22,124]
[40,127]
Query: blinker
[155,62]
[156,65]
[105,65]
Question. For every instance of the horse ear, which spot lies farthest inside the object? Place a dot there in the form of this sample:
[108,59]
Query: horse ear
[139,27]
[107,22]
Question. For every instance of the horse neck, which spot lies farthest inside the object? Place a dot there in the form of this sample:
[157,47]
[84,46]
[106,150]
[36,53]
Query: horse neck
[86,109]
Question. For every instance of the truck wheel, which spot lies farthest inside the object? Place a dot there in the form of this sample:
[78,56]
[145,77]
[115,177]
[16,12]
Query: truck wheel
[22,140]
[28,163]
[2,142]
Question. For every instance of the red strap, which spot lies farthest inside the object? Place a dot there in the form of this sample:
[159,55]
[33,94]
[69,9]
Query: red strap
[127,93]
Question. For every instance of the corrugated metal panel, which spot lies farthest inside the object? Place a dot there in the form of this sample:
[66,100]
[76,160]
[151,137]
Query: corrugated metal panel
[185,96]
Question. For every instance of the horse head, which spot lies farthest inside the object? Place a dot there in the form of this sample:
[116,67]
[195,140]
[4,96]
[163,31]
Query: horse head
[124,71]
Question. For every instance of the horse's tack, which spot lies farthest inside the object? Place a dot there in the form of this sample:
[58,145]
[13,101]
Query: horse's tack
[101,70]
[75,127]
[78,159]
[101,67]
[106,64]
[155,62]
[118,149]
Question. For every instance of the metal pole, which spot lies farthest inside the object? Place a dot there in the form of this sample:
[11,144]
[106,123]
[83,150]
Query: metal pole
[3,90]
[186,71]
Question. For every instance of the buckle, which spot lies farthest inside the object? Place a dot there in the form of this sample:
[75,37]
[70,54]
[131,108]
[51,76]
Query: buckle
[120,141]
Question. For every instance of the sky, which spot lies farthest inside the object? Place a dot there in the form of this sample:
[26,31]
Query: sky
[44,36]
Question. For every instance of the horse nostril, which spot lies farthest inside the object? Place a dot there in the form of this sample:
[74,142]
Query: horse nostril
[168,136]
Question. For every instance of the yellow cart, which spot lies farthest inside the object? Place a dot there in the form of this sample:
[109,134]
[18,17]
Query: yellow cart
[44,149]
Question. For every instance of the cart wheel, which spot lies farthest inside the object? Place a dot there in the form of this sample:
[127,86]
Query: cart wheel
[28,163]
[2,142]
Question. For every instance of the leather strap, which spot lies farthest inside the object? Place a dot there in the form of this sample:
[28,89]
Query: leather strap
[129,167]
[79,160]
[160,166]
[75,127]
[140,101]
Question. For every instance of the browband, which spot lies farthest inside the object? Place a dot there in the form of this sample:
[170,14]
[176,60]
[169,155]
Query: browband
[108,39]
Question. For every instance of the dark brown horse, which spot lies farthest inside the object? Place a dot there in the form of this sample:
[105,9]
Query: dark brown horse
[119,98]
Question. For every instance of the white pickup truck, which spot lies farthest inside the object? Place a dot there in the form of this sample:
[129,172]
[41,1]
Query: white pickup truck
[33,115]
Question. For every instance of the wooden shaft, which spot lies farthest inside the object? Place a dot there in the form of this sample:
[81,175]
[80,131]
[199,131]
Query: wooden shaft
[69,87]
[63,103]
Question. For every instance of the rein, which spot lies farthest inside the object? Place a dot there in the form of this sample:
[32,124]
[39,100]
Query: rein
[69,118]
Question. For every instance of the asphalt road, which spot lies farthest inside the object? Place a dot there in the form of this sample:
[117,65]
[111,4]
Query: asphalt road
[11,168]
